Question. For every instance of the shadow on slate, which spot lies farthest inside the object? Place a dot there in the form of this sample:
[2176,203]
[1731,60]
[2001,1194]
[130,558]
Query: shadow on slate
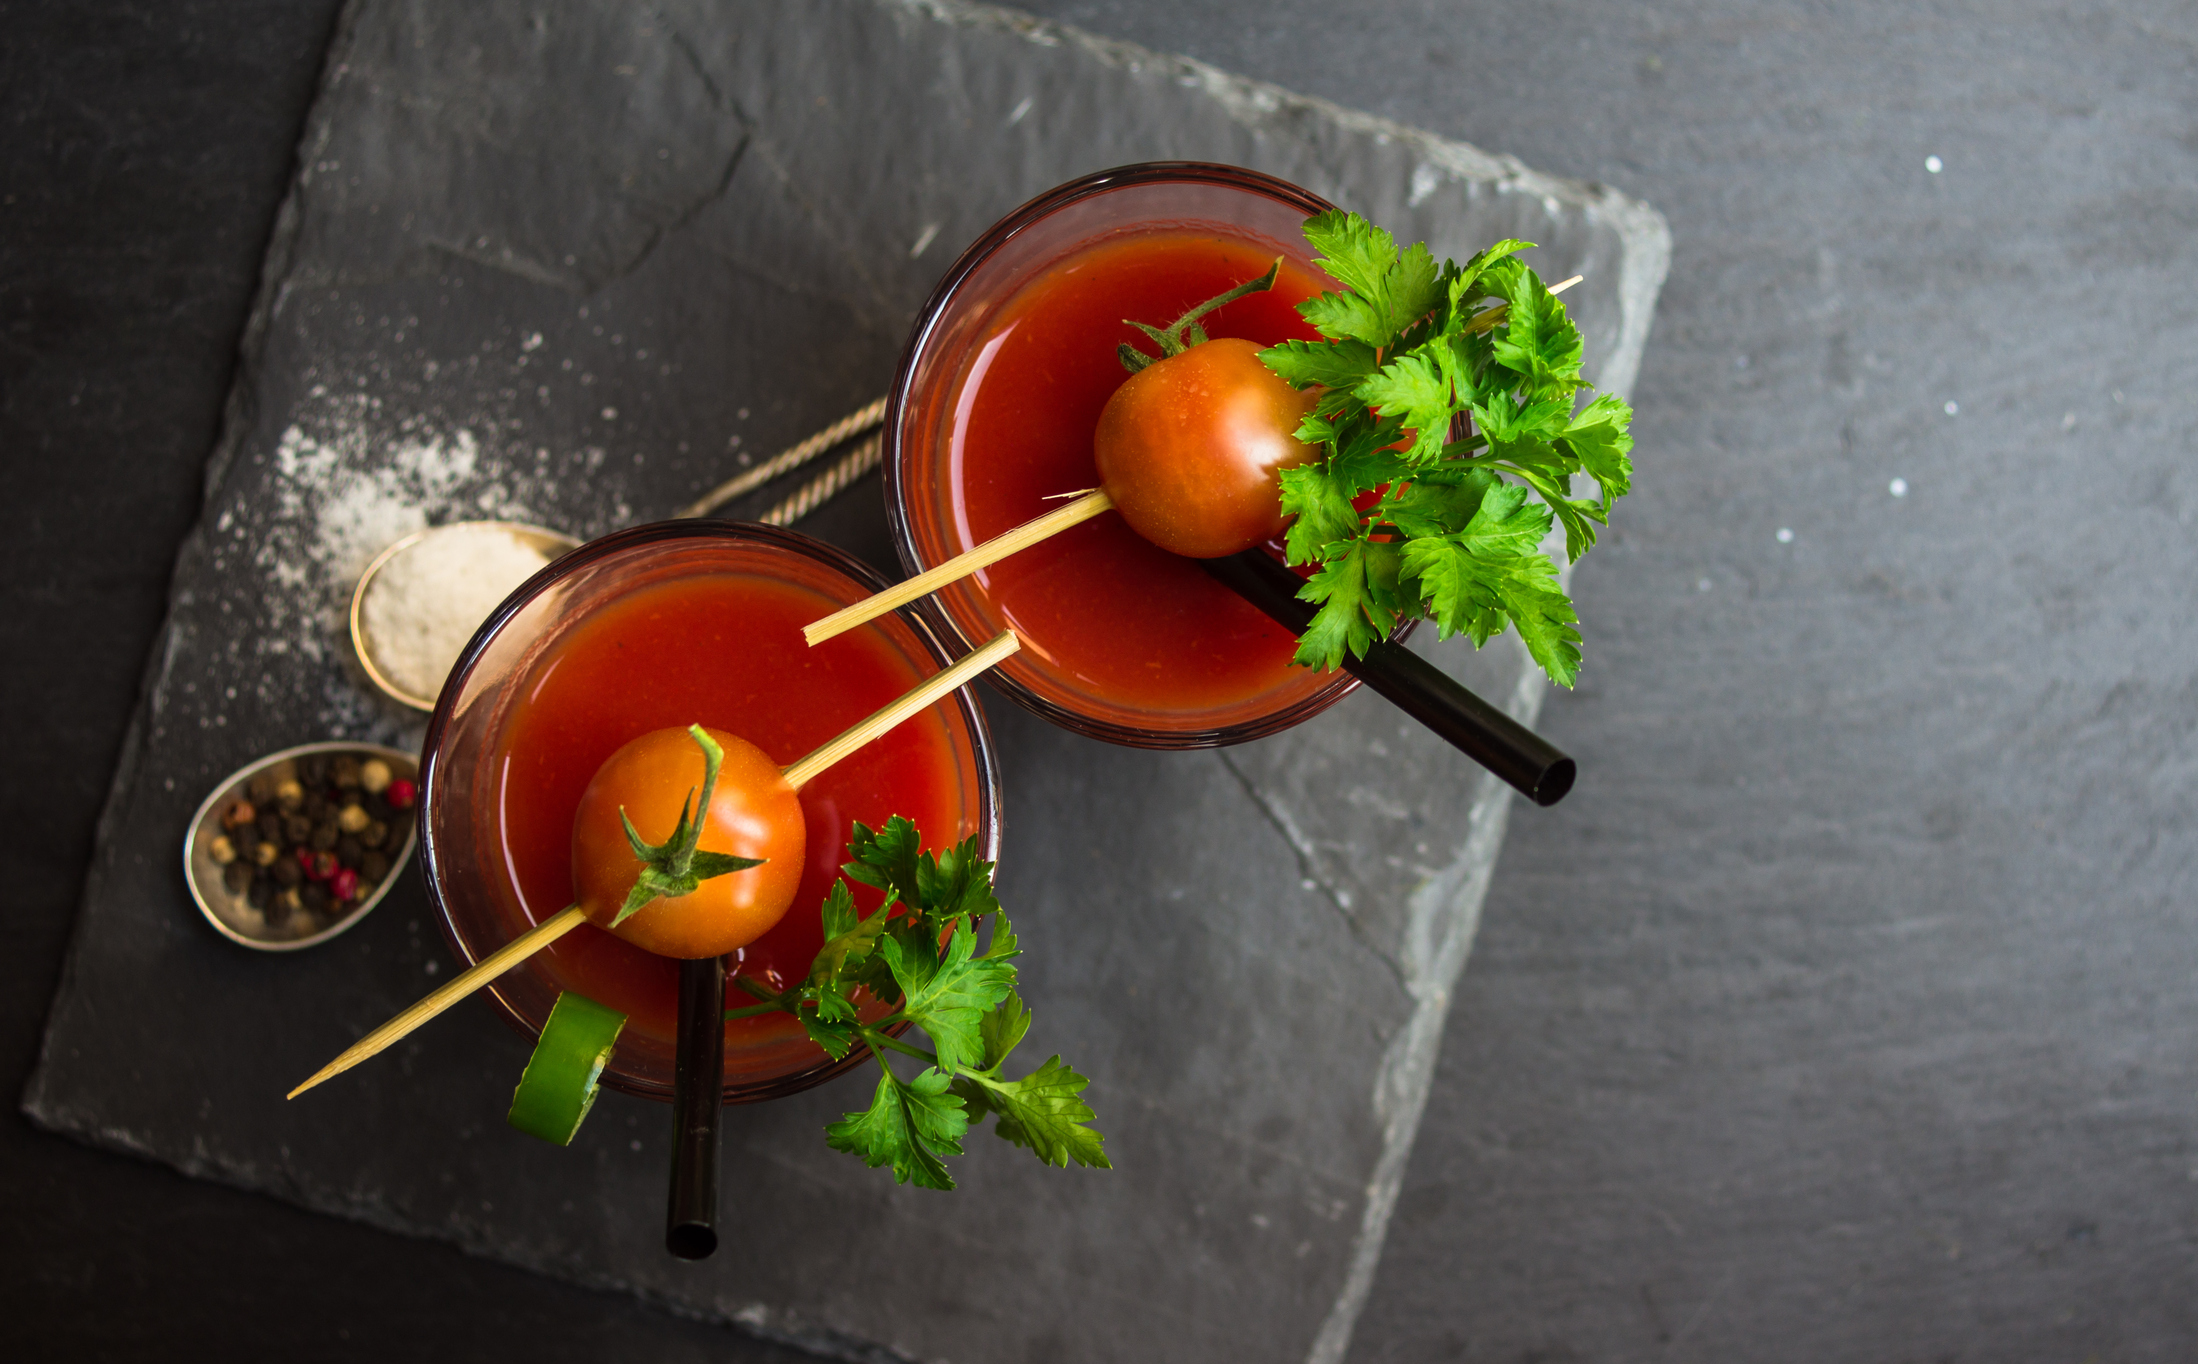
[574,272]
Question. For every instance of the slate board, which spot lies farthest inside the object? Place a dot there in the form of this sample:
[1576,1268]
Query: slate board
[574,267]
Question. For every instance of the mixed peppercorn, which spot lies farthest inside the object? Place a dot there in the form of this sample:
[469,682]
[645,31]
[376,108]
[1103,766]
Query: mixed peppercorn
[307,841]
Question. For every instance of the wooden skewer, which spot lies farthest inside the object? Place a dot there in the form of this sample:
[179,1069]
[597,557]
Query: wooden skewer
[551,929]
[1003,645]
[1022,537]
[961,565]
[488,969]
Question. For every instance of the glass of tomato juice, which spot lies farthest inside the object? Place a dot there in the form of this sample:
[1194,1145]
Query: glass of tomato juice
[665,626]
[992,414]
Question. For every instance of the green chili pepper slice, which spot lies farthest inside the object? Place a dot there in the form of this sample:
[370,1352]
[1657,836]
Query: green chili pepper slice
[558,1087]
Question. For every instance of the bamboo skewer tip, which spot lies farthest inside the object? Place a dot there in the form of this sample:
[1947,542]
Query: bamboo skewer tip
[440,999]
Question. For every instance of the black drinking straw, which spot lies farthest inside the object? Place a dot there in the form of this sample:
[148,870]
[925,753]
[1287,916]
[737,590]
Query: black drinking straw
[698,1099]
[1418,688]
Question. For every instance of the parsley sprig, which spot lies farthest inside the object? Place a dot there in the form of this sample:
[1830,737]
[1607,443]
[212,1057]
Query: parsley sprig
[1455,532]
[925,961]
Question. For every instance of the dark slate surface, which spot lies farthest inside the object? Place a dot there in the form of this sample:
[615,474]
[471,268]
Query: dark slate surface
[569,272]
[1842,1064]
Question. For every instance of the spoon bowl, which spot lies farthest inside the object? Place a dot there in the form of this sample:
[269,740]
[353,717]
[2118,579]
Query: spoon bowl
[552,545]
[230,912]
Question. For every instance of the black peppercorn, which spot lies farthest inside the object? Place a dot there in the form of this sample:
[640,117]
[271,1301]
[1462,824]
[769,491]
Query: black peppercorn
[344,771]
[374,865]
[374,835]
[325,835]
[278,907]
[314,896]
[237,876]
[287,872]
[297,828]
[315,806]
[349,850]
[261,891]
[270,827]
[313,769]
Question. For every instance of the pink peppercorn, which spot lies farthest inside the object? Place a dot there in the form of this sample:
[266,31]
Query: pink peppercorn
[344,885]
[401,794]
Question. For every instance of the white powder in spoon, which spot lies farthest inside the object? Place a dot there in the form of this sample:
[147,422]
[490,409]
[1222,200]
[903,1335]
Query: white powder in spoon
[424,604]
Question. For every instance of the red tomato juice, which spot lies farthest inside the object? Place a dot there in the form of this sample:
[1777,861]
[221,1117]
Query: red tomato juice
[723,650]
[1129,621]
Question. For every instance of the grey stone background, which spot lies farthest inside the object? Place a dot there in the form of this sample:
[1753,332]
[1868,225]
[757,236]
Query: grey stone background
[1843,1012]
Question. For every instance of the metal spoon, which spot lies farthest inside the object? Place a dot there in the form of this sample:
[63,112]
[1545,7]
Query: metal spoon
[231,914]
[551,543]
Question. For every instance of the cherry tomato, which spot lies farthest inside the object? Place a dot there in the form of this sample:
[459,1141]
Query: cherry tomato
[753,813]
[1191,448]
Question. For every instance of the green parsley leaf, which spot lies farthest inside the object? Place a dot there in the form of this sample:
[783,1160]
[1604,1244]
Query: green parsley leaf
[885,858]
[946,996]
[909,1126]
[1358,603]
[1462,283]
[849,940]
[1042,1111]
[1413,388]
[1411,288]
[1432,505]
[1003,945]
[1320,506]
[1354,252]
[1601,439]
[1335,365]
[1344,317]
[1495,568]
[840,915]
[1544,617]
[956,882]
[1539,341]
[1003,1031]
[836,1035]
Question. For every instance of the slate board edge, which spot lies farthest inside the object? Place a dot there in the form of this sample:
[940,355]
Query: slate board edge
[1646,235]
[1448,906]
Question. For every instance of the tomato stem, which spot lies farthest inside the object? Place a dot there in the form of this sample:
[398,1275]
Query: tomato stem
[1184,332]
[674,868]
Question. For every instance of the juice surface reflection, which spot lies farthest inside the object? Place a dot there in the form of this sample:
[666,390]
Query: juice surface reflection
[723,650]
[1124,619]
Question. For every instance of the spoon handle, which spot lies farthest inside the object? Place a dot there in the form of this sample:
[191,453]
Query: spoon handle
[1481,731]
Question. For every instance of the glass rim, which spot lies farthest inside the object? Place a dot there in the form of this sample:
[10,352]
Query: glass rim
[924,333]
[984,755]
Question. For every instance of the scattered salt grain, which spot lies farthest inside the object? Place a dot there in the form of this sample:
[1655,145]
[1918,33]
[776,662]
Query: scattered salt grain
[425,603]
